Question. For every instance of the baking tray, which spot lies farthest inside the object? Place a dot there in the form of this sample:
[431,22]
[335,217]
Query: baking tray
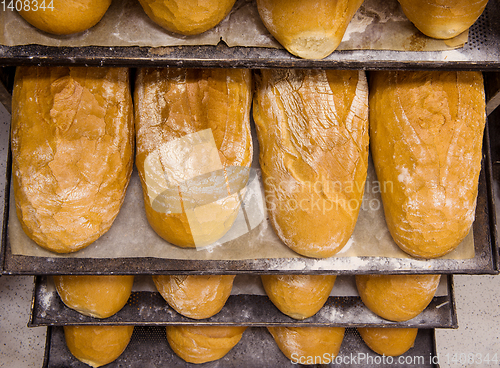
[148,308]
[482,263]
[148,347]
[5,165]
[480,53]
[494,143]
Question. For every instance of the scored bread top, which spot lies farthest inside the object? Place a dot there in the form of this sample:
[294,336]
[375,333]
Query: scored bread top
[312,127]
[192,123]
[426,132]
[174,102]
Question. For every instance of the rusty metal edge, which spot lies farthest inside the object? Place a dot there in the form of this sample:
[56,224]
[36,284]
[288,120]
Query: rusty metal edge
[5,205]
[453,307]
[491,199]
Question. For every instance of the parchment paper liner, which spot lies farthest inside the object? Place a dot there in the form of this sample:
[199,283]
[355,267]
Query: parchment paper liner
[378,25]
[131,235]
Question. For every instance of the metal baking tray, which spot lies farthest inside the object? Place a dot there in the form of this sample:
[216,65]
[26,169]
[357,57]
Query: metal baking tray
[148,308]
[480,53]
[485,260]
[482,263]
[494,143]
[5,165]
[148,347]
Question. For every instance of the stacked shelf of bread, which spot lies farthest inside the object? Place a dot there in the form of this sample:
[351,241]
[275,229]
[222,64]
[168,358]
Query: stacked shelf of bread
[226,155]
[178,303]
[245,303]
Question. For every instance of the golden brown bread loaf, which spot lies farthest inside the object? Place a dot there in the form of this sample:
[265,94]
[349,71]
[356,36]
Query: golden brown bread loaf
[98,296]
[72,146]
[66,16]
[187,17]
[97,345]
[201,344]
[443,19]
[397,297]
[312,127]
[309,345]
[191,123]
[195,296]
[310,29]
[298,296]
[426,133]
[388,341]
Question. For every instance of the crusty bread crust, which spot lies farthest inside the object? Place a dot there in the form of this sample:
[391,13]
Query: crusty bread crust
[310,29]
[67,16]
[72,152]
[426,134]
[312,127]
[195,296]
[443,19]
[187,17]
[298,296]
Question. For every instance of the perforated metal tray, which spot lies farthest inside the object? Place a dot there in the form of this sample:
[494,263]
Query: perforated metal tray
[148,308]
[256,349]
[480,53]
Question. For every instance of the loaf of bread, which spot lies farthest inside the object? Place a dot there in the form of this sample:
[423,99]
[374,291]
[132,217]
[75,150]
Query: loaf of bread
[298,296]
[62,17]
[310,29]
[72,152]
[388,341]
[187,17]
[312,127]
[201,344]
[309,345]
[397,297]
[97,345]
[193,144]
[443,19]
[195,296]
[98,296]
[426,133]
